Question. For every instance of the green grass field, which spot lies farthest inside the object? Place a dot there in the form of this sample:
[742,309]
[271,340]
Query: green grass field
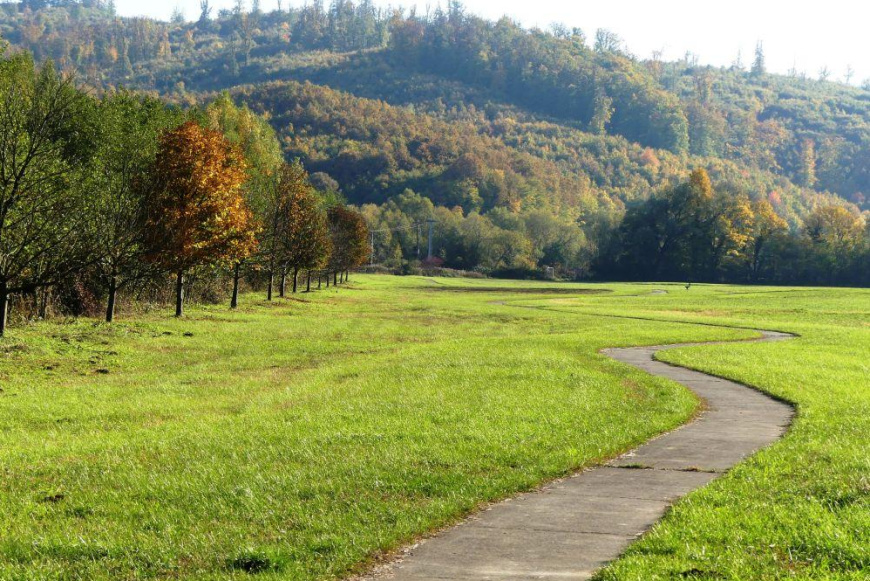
[306,438]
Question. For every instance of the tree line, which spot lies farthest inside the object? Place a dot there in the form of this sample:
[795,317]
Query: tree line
[694,231]
[691,231]
[102,195]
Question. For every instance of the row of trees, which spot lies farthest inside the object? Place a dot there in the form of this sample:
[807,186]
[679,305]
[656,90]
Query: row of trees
[499,242]
[696,232]
[120,191]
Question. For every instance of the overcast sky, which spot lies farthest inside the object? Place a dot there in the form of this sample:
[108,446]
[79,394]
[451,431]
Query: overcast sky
[800,33]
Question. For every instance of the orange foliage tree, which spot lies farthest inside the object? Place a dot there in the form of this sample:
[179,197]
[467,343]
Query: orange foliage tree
[306,241]
[195,208]
[766,226]
[349,235]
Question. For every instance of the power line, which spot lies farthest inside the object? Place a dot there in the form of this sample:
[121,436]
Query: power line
[398,229]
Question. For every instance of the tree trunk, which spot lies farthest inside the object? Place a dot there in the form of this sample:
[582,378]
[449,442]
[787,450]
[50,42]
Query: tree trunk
[43,303]
[179,295]
[113,292]
[327,279]
[319,279]
[755,267]
[271,284]
[4,305]
[295,279]
[335,278]
[346,275]
[308,283]
[283,287]
[237,274]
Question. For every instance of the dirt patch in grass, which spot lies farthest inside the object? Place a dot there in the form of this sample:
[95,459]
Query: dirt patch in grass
[634,390]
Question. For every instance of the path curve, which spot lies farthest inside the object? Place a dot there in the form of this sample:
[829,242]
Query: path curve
[571,528]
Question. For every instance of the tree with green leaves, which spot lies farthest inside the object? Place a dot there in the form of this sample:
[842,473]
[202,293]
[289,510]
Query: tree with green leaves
[349,234]
[263,156]
[205,10]
[607,41]
[44,143]
[602,113]
[658,234]
[759,66]
[126,146]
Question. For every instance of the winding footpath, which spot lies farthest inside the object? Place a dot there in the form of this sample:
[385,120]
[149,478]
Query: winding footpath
[573,527]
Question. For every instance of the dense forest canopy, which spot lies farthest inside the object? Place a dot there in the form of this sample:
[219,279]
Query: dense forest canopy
[488,121]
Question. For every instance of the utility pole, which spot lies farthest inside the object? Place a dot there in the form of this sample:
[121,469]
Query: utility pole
[431,223]
[372,255]
[417,229]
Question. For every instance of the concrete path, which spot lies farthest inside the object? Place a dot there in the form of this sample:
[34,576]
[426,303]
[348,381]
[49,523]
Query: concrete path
[573,527]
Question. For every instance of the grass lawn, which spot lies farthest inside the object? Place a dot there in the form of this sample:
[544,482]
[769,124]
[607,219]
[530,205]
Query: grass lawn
[304,438]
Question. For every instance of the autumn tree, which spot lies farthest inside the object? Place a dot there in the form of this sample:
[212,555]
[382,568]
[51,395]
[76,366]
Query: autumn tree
[835,234]
[766,225]
[724,231]
[43,214]
[306,242]
[835,226]
[807,174]
[196,213]
[349,234]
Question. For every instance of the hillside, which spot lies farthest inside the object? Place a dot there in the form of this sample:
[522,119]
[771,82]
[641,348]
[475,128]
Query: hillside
[451,62]
[478,115]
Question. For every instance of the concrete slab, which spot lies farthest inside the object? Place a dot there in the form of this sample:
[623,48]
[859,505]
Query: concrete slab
[565,512]
[663,485]
[477,553]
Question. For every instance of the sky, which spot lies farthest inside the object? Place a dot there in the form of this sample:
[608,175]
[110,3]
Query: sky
[805,35]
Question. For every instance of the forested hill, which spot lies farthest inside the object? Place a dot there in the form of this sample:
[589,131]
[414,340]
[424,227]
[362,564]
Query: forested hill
[484,116]
[458,67]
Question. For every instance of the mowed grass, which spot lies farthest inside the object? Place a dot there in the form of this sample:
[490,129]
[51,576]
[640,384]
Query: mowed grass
[303,439]
[801,508]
